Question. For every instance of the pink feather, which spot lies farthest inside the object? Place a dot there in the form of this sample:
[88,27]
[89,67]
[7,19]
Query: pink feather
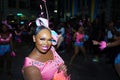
[102,45]
[60,76]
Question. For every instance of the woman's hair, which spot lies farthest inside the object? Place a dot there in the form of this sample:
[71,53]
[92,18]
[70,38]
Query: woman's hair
[39,28]
[1,26]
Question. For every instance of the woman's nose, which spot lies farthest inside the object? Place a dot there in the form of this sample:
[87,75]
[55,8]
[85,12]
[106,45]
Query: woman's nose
[45,42]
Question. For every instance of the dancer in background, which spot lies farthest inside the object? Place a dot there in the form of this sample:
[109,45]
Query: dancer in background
[6,48]
[103,45]
[18,33]
[79,43]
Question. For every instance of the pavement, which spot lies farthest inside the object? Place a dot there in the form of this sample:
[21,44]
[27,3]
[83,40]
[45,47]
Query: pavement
[79,70]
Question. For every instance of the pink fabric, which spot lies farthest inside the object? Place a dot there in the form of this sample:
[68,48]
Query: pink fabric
[19,40]
[42,21]
[60,76]
[7,39]
[13,54]
[102,45]
[47,68]
[79,37]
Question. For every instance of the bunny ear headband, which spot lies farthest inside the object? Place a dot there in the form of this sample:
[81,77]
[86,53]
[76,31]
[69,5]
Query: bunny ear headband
[42,21]
[45,22]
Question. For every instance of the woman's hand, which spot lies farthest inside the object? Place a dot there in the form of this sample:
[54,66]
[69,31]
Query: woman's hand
[61,74]
[63,68]
[95,42]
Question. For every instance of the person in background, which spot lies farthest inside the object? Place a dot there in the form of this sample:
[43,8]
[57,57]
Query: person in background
[43,62]
[6,48]
[68,36]
[18,33]
[57,38]
[103,45]
[78,44]
[61,31]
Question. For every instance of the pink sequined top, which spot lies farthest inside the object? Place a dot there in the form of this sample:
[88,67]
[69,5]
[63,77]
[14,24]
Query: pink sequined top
[47,68]
[79,37]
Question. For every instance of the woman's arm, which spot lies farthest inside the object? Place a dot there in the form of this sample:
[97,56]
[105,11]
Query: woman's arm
[117,67]
[63,67]
[31,73]
[113,44]
[60,39]
[11,42]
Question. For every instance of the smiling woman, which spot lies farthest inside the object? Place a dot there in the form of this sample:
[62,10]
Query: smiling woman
[42,39]
[43,62]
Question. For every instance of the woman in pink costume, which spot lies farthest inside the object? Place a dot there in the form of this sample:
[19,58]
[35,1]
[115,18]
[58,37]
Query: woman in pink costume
[79,43]
[6,47]
[43,62]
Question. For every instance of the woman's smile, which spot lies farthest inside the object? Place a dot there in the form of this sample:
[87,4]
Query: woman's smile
[44,48]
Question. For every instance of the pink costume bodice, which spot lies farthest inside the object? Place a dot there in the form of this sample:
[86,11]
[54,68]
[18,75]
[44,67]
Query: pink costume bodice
[79,37]
[7,39]
[47,68]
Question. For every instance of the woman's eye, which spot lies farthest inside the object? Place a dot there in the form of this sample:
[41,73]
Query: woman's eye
[42,39]
[50,40]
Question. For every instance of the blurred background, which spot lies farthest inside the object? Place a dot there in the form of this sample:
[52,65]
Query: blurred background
[20,11]
[96,16]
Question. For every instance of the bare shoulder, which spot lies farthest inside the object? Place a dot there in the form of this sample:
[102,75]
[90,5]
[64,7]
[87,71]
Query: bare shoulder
[31,73]
[30,69]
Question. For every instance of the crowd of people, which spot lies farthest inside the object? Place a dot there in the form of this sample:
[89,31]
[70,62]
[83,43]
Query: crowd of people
[77,35]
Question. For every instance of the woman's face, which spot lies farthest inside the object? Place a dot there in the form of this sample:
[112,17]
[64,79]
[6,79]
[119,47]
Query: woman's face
[4,28]
[43,40]
[80,29]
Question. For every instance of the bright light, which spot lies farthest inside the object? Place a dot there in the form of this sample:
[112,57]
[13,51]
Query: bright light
[22,22]
[55,11]
[12,21]
[19,14]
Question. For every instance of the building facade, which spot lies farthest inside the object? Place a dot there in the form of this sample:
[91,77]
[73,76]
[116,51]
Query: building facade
[64,8]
